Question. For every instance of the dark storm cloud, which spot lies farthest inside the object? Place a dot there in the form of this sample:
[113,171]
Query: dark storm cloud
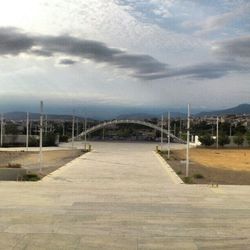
[73,46]
[200,71]
[40,52]
[14,42]
[238,47]
[99,52]
[143,63]
[208,70]
[67,61]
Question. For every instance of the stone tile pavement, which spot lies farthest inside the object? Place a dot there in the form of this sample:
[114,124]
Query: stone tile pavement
[120,196]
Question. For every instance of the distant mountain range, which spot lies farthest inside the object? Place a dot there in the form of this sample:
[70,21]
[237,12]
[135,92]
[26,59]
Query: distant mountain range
[143,116]
[238,110]
[17,116]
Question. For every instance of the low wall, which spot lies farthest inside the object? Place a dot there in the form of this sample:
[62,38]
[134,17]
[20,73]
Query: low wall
[11,174]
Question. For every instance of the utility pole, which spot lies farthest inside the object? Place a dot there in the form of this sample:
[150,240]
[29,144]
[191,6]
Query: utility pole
[27,132]
[41,138]
[161,132]
[230,132]
[188,134]
[175,129]
[1,130]
[217,132]
[103,134]
[169,129]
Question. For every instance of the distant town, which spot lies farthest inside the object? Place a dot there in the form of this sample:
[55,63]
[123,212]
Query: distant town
[58,128]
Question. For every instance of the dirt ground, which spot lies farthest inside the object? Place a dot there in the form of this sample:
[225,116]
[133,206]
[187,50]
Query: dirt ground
[223,166]
[52,160]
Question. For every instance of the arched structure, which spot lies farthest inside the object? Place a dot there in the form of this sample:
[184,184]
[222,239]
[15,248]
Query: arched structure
[147,124]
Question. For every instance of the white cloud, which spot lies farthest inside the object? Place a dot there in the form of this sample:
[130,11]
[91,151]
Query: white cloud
[216,22]
[116,26]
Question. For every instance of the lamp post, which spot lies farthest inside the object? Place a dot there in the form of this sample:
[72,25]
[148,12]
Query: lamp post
[27,132]
[161,132]
[73,130]
[217,132]
[41,138]
[77,128]
[85,136]
[169,135]
[188,134]
[1,130]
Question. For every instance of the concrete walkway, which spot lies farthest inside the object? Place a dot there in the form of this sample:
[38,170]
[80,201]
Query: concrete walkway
[121,196]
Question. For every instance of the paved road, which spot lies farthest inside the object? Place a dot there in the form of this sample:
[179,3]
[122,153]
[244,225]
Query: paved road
[121,196]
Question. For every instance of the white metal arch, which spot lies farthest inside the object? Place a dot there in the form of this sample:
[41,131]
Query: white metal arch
[147,124]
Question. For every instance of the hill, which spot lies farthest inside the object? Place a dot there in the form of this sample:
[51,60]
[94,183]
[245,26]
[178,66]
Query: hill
[238,110]
[17,116]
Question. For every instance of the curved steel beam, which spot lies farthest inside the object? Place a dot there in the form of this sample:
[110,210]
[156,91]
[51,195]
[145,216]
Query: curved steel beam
[147,124]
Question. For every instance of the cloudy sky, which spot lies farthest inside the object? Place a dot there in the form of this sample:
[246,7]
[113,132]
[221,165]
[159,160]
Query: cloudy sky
[115,56]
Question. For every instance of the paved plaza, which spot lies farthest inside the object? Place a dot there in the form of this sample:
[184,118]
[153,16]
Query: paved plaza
[122,196]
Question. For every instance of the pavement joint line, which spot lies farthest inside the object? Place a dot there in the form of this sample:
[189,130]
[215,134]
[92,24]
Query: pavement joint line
[176,179]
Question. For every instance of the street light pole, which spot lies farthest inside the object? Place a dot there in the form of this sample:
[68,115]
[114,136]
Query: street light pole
[41,138]
[27,132]
[46,124]
[73,129]
[169,135]
[217,132]
[63,128]
[77,128]
[161,132]
[1,130]
[188,134]
[180,132]
[85,136]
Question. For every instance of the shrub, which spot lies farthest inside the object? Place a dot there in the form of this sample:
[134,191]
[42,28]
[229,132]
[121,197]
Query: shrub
[223,140]
[14,165]
[33,142]
[179,172]
[239,139]
[49,139]
[206,140]
[198,176]
[64,138]
[248,137]
[31,177]
[188,180]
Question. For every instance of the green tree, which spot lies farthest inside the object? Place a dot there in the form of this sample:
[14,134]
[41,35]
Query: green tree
[240,129]
[239,139]
[223,140]
[248,137]
[33,142]
[206,140]
[49,139]
[11,129]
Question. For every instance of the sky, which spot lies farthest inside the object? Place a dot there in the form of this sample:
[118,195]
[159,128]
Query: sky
[107,57]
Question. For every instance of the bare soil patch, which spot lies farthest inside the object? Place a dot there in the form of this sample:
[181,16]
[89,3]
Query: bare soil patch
[52,160]
[212,166]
